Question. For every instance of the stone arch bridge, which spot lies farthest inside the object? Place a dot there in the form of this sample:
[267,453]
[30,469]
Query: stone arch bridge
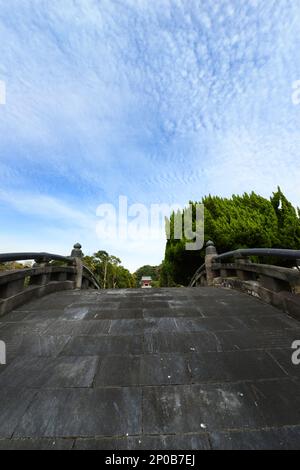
[210,366]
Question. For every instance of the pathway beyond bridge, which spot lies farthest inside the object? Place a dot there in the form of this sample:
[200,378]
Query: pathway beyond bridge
[181,368]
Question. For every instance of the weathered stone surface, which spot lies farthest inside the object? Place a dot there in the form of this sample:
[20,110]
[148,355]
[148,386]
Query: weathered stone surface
[119,371]
[126,327]
[129,304]
[273,322]
[285,438]
[49,302]
[192,408]
[233,366]
[255,339]
[221,406]
[180,342]
[172,312]
[278,401]
[149,369]
[283,357]
[37,315]
[13,404]
[156,304]
[14,316]
[34,345]
[142,442]
[45,372]
[74,313]
[36,444]
[92,345]
[82,412]
[189,325]
[9,330]
[69,328]
[115,314]
[169,369]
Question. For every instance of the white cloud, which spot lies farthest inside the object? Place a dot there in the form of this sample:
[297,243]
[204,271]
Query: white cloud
[46,207]
[162,101]
[58,226]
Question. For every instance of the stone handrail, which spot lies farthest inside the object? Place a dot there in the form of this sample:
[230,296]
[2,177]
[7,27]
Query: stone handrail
[21,285]
[279,286]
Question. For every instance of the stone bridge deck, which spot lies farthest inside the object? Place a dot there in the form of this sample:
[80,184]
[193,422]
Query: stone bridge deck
[149,369]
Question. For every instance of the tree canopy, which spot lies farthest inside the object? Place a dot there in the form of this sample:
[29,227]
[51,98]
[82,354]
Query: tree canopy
[246,221]
[109,271]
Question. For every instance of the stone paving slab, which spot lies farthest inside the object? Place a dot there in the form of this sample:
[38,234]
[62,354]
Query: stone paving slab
[169,369]
[82,412]
[93,345]
[256,339]
[189,325]
[127,327]
[283,359]
[286,438]
[190,408]
[122,314]
[267,322]
[201,341]
[10,330]
[221,406]
[175,368]
[50,372]
[13,405]
[172,312]
[70,328]
[34,345]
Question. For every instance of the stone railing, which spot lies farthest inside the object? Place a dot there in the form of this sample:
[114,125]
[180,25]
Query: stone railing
[43,277]
[279,286]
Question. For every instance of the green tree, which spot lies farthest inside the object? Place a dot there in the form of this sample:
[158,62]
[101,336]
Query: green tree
[288,234]
[108,270]
[103,260]
[245,221]
[13,265]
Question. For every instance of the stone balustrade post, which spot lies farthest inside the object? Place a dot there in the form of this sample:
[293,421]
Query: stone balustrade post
[78,255]
[43,278]
[241,274]
[210,254]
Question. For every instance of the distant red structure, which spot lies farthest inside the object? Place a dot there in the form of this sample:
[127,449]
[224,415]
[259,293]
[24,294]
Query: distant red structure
[146,282]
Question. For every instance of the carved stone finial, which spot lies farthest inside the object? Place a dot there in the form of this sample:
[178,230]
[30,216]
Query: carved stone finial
[210,248]
[76,252]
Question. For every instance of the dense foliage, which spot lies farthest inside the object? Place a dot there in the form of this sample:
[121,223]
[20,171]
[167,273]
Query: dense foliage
[245,221]
[13,265]
[109,271]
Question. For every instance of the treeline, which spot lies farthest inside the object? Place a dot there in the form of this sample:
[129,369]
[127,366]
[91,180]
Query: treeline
[112,275]
[106,268]
[108,271]
[246,221]
[13,265]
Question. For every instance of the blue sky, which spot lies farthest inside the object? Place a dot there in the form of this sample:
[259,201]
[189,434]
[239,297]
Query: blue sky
[160,101]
